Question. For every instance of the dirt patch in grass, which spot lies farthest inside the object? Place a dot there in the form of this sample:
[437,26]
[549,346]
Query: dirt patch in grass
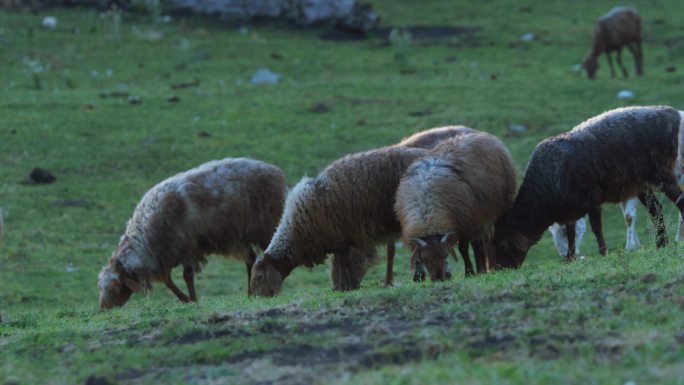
[293,345]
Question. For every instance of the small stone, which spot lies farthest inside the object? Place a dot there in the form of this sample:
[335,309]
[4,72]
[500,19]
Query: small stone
[42,176]
[517,128]
[265,76]
[49,22]
[625,94]
[527,36]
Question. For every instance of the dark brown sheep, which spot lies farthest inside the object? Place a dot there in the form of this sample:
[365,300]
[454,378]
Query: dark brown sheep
[455,194]
[225,207]
[620,27]
[345,211]
[614,156]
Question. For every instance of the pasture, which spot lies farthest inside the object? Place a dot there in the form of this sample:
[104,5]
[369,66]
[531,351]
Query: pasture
[112,105]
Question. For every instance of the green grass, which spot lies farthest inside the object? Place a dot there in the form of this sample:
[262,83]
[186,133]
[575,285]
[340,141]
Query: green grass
[594,321]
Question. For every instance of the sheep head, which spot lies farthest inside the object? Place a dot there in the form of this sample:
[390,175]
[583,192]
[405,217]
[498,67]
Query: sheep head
[511,246]
[590,64]
[116,286]
[432,252]
[266,280]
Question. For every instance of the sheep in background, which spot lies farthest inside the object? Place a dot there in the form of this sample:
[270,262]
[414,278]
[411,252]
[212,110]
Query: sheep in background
[345,211]
[455,194]
[609,158]
[224,206]
[620,27]
[629,212]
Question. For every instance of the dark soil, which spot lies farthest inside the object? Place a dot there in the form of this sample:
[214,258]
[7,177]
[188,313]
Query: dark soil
[295,345]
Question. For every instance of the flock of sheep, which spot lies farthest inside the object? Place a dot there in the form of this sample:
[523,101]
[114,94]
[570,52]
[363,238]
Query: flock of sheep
[436,189]
[440,188]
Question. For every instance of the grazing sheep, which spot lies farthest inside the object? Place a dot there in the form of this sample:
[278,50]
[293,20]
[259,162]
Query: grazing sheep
[455,194]
[620,27]
[560,237]
[612,157]
[345,211]
[426,139]
[224,207]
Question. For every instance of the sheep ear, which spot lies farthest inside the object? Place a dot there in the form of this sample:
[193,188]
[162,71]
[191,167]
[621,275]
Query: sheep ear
[131,283]
[414,255]
[453,253]
[418,242]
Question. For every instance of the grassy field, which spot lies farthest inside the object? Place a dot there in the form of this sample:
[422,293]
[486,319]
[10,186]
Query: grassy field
[90,101]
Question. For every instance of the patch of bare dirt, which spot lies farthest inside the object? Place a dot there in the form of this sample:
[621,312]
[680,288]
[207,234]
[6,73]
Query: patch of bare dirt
[295,345]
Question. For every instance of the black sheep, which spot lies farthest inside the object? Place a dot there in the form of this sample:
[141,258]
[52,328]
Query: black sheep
[609,158]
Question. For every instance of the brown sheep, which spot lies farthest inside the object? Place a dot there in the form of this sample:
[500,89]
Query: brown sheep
[620,27]
[426,139]
[455,194]
[345,211]
[614,156]
[224,207]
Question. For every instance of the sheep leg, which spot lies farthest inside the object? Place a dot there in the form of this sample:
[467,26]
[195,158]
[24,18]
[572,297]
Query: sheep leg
[580,229]
[610,64]
[172,286]
[640,60]
[635,49]
[389,275]
[251,258]
[671,190]
[619,61]
[629,214]
[655,211]
[463,249]
[570,233]
[478,250]
[680,230]
[597,229]
[342,273]
[189,277]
